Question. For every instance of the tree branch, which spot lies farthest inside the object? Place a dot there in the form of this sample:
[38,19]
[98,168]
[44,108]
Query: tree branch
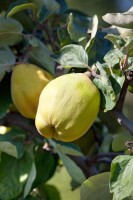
[122,120]
[15,119]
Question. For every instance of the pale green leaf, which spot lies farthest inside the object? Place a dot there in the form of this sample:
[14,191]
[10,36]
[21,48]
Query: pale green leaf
[72,56]
[77,28]
[118,41]
[30,180]
[124,20]
[10,31]
[66,148]
[74,171]
[96,188]
[93,33]
[121,177]
[128,47]
[104,84]
[7,59]
[21,7]
[120,140]
[40,55]
[9,148]
[113,57]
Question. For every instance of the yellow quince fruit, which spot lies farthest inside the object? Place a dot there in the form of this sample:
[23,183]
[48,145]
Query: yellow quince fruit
[27,82]
[67,107]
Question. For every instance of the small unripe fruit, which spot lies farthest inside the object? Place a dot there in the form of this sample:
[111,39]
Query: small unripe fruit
[27,82]
[67,107]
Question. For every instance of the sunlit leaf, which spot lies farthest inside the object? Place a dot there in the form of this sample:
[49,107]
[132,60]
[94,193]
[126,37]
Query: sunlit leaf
[72,56]
[104,84]
[124,20]
[113,57]
[93,32]
[121,177]
[118,41]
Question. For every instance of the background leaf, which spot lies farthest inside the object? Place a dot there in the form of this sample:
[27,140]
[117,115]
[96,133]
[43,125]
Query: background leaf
[72,56]
[45,165]
[48,8]
[121,177]
[96,187]
[13,175]
[20,8]
[10,31]
[40,55]
[7,59]
[77,28]
[5,100]
[120,140]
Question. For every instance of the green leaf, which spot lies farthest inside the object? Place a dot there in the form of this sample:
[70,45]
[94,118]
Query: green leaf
[64,36]
[7,59]
[20,8]
[13,175]
[13,148]
[93,33]
[48,8]
[118,41]
[66,148]
[104,84]
[72,56]
[63,6]
[10,31]
[96,188]
[124,20]
[9,148]
[120,140]
[97,47]
[30,180]
[45,166]
[117,81]
[40,55]
[5,100]
[74,171]
[77,28]
[121,177]
[113,57]
[128,47]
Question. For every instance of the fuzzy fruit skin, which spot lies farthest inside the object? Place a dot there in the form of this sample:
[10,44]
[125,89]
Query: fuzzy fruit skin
[67,107]
[27,82]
